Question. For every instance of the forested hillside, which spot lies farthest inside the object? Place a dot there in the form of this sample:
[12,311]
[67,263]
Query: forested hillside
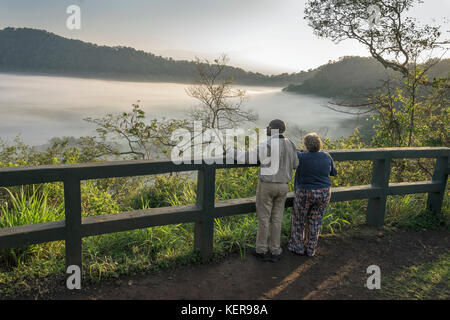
[32,50]
[351,76]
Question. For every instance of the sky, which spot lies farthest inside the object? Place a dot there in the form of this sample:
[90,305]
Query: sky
[268,36]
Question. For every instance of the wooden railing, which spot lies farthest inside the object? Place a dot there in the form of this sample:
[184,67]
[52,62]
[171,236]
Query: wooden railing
[74,227]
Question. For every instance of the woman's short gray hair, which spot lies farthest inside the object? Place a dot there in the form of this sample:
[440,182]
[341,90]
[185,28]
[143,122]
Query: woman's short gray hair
[312,142]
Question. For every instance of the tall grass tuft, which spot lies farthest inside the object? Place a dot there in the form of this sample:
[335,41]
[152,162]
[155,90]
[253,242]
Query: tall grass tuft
[28,206]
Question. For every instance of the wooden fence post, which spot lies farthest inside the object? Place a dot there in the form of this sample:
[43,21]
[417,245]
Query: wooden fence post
[204,228]
[435,199]
[72,201]
[380,178]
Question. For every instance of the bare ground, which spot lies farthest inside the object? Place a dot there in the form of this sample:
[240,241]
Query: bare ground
[338,271]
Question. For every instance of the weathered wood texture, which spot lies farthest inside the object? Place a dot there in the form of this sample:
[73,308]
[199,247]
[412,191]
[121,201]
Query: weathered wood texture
[204,226]
[380,178]
[72,202]
[440,175]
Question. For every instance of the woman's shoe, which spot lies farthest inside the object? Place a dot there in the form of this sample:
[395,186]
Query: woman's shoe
[297,253]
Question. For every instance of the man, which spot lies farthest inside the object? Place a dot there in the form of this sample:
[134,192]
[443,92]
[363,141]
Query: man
[278,159]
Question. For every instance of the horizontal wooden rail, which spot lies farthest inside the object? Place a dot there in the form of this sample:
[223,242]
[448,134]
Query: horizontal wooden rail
[73,228]
[139,219]
[97,170]
[31,234]
[413,187]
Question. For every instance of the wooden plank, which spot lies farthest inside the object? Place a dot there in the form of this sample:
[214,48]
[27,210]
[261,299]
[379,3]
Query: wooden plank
[376,207]
[72,201]
[29,175]
[98,170]
[234,206]
[413,187]
[410,153]
[139,219]
[381,153]
[355,193]
[86,171]
[31,234]
[204,227]
[245,205]
[347,193]
[436,198]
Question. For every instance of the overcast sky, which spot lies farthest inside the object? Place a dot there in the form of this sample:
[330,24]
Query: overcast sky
[268,36]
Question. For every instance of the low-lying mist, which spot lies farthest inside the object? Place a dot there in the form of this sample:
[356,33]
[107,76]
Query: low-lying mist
[41,107]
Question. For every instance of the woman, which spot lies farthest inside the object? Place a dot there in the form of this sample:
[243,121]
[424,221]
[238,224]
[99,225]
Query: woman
[312,195]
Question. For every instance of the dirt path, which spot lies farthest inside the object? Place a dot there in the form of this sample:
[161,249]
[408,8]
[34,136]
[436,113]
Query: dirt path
[338,271]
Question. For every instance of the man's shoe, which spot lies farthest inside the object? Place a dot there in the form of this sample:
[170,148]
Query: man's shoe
[259,256]
[274,257]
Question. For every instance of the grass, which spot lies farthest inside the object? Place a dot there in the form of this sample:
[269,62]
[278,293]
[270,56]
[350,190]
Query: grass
[131,252]
[26,207]
[29,207]
[409,212]
[430,280]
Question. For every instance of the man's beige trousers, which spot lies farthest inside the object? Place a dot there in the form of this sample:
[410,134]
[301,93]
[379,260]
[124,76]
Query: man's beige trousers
[270,201]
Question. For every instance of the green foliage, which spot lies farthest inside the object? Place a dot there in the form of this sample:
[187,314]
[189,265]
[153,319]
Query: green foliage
[343,214]
[29,207]
[350,173]
[409,211]
[356,77]
[143,139]
[111,255]
[164,191]
[236,183]
[235,233]
[95,201]
[410,115]
[424,281]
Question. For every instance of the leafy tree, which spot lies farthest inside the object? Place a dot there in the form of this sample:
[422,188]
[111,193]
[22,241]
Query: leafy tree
[413,112]
[220,103]
[145,140]
[411,116]
[397,41]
